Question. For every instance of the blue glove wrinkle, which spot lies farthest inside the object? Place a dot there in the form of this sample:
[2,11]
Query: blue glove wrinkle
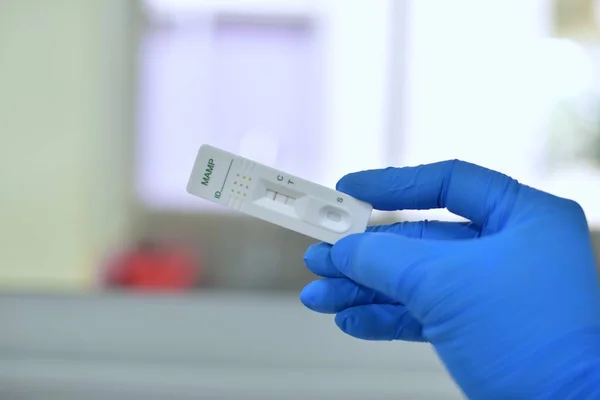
[434,230]
[445,182]
[503,203]
[380,322]
[408,328]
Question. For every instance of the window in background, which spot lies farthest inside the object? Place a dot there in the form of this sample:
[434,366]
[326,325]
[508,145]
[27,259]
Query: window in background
[485,80]
[573,155]
[299,85]
[265,100]
[247,85]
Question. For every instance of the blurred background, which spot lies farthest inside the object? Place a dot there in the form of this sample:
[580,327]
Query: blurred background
[115,283]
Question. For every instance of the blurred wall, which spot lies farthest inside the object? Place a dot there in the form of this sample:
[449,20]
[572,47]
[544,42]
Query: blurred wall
[67,111]
[67,86]
[64,109]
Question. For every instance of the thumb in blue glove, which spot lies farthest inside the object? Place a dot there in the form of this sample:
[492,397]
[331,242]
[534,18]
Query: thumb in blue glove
[510,300]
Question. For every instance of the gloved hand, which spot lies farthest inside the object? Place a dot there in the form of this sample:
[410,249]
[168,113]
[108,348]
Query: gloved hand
[510,301]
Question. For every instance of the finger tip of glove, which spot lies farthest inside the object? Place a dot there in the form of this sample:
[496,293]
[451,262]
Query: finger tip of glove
[306,299]
[360,179]
[342,183]
[348,182]
[318,261]
[317,296]
[317,252]
[341,252]
[309,296]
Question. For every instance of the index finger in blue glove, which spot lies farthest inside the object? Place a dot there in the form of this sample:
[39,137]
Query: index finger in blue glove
[476,193]
[318,259]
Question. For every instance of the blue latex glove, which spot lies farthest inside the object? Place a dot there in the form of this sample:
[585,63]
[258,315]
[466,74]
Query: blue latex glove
[510,301]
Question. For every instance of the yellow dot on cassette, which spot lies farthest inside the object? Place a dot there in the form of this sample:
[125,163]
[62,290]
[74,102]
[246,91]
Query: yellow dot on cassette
[238,192]
[249,179]
[232,190]
[244,177]
[244,194]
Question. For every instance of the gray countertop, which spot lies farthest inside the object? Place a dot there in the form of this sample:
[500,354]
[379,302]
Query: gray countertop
[205,345]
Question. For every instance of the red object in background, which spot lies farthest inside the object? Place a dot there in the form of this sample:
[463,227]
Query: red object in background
[152,267]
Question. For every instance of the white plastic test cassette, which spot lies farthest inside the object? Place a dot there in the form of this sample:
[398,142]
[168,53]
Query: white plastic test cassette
[276,197]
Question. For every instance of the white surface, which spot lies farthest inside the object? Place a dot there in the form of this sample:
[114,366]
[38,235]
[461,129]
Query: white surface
[247,186]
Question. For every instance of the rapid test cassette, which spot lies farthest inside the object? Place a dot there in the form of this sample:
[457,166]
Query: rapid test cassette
[276,197]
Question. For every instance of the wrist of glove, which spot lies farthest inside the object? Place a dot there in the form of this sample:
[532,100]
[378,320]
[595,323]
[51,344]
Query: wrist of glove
[565,368]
